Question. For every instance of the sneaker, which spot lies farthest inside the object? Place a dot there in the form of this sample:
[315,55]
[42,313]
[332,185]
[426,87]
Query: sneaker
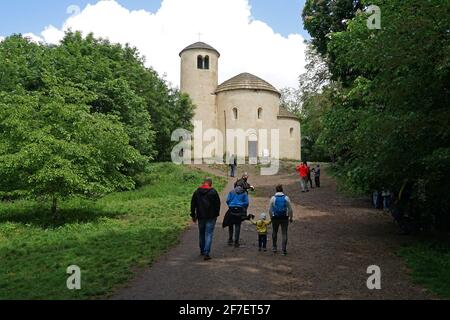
[284,253]
[237,245]
[202,254]
[265,249]
[274,250]
[230,242]
[207,258]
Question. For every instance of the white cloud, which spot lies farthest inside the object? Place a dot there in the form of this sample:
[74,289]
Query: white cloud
[32,37]
[2,38]
[245,44]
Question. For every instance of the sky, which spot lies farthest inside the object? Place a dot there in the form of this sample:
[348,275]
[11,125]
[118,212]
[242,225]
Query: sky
[250,34]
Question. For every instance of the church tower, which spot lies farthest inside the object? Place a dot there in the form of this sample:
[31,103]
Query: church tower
[199,79]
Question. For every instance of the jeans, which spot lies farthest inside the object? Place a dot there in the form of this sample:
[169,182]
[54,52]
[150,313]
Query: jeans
[233,170]
[262,241]
[236,229]
[317,182]
[304,184]
[206,228]
[284,230]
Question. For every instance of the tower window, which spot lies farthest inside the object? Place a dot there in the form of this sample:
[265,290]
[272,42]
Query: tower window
[235,114]
[199,62]
[291,132]
[203,63]
[260,113]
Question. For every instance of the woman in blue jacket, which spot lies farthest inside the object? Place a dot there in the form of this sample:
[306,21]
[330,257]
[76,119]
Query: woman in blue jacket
[238,203]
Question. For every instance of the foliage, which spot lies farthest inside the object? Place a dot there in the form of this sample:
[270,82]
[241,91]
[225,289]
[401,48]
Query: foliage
[108,239]
[81,118]
[388,123]
[50,149]
[322,17]
[429,263]
[109,78]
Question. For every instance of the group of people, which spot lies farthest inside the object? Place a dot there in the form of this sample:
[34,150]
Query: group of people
[307,174]
[205,209]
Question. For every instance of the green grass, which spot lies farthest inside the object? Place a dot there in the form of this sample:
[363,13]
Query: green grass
[107,239]
[430,265]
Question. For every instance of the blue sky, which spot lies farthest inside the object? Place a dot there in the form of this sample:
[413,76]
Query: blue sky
[23,16]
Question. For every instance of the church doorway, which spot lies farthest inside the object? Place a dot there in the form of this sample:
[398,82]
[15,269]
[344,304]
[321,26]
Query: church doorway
[253,149]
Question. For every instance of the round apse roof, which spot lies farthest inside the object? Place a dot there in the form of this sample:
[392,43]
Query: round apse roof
[246,81]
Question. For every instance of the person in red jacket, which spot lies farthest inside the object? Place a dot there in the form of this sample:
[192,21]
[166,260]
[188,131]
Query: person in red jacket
[303,170]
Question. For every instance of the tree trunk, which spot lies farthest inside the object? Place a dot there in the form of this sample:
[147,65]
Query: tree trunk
[55,208]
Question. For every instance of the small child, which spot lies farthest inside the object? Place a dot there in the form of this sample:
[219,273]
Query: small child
[261,227]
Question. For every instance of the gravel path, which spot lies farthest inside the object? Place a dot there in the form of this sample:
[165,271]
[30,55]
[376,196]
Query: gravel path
[331,243]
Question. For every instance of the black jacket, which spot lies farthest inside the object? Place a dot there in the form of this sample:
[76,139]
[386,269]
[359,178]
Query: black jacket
[242,183]
[205,204]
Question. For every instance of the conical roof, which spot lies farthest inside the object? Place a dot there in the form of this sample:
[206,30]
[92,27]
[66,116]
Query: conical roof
[246,81]
[199,45]
[285,113]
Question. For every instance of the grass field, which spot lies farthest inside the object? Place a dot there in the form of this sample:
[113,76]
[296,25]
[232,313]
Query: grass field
[429,262]
[107,239]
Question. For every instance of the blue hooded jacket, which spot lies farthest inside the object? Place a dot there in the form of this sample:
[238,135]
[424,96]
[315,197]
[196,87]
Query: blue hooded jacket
[238,198]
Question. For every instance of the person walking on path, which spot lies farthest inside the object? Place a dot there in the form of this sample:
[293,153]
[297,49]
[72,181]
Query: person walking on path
[238,203]
[205,208]
[302,169]
[317,178]
[281,214]
[309,176]
[233,166]
[312,177]
[243,182]
[261,228]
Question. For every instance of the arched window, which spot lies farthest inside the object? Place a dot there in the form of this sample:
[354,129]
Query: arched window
[199,62]
[291,132]
[235,114]
[260,113]
[206,63]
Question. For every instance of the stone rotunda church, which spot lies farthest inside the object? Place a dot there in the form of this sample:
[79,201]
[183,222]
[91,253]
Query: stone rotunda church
[242,102]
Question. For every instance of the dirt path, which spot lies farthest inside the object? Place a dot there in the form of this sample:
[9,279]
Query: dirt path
[331,243]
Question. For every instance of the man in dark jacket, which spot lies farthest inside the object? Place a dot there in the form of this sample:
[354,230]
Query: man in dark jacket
[243,183]
[205,208]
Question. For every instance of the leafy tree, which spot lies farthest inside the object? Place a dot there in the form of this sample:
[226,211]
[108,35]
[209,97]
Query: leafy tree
[54,150]
[323,17]
[81,118]
[389,122]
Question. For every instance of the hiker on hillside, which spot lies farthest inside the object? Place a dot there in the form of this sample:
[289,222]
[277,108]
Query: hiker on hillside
[205,208]
[317,177]
[261,228]
[243,182]
[238,203]
[302,169]
[281,213]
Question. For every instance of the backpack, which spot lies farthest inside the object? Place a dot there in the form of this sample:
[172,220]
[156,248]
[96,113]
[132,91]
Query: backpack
[280,207]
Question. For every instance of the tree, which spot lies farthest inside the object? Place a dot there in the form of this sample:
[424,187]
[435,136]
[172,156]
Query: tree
[110,78]
[323,17]
[389,122]
[53,150]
